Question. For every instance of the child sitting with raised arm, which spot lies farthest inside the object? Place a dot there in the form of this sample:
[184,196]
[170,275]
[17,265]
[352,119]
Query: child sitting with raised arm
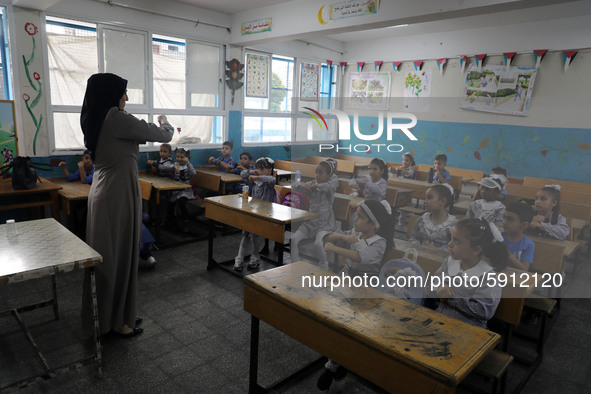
[547,221]
[263,188]
[433,228]
[374,186]
[244,169]
[502,195]
[440,174]
[164,166]
[472,240]
[406,170]
[515,220]
[85,170]
[321,191]
[488,207]
[183,171]
[224,162]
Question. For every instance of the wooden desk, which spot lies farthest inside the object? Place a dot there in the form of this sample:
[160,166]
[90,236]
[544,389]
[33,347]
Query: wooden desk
[71,191]
[42,188]
[570,247]
[384,340]
[279,173]
[418,188]
[46,248]
[267,219]
[225,177]
[461,207]
[161,184]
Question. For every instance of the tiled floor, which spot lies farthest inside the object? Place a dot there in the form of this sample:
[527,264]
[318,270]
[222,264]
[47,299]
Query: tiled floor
[196,337]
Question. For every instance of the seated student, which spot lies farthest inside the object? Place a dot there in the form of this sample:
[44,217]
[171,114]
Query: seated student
[433,228]
[472,240]
[405,170]
[440,174]
[85,170]
[516,219]
[488,207]
[372,187]
[502,195]
[183,172]
[244,169]
[164,166]
[224,162]
[547,221]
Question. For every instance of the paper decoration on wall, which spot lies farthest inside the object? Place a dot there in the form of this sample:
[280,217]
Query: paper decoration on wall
[309,81]
[368,90]
[378,65]
[329,62]
[347,9]
[343,67]
[8,137]
[441,63]
[417,91]
[257,75]
[539,55]
[479,59]
[258,26]
[234,75]
[34,79]
[567,58]
[499,89]
[418,64]
[360,66]
[508,56]
[396,65]
[463,62]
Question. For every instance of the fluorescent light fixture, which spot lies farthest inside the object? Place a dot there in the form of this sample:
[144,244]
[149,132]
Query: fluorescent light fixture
[395,26]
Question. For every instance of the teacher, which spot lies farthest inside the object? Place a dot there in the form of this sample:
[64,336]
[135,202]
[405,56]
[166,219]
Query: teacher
[114,221]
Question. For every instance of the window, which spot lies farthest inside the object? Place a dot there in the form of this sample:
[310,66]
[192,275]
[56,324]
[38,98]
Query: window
[5,83]
[169,75]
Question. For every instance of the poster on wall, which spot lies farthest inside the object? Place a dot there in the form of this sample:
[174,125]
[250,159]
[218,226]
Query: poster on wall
[310,78]
[417,91]
[259,26]
[499,89]
[368,90]
[347,9]
[8,138]
[257,75]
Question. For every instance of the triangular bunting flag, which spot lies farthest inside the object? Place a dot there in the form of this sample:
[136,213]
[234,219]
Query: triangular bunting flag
[378,64]
[343,66]
[508,56]
[567,58]
[329,62]
[538,55]
[360,66]
[463,61]
[479,59]
[418,64]
[396,65]
[440,63]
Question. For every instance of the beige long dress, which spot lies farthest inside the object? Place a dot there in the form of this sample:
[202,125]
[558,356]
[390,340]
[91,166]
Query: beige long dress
[114,216]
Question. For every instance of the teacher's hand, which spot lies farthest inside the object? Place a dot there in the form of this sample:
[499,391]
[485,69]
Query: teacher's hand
[162,119]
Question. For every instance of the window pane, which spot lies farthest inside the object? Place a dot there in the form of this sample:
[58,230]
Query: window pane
[308,130]
[203,74]
[281,84]
[68,134]
[72,55]
[196,129]
[328,83]
[168,60]
[120,47]
[267,129]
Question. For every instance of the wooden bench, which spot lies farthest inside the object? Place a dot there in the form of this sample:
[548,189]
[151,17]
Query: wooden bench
[466,175]
[307,170]
[343,166]
[517,192]
[455,182]
[211,182]
[565,185]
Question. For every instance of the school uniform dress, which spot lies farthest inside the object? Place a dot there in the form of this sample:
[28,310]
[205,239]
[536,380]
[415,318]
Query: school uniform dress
[227,160]
[471,304]
[114,220]
[425,231]
[184,176]
[371,251]
[491,211]
[445,174]
[371,190]
[554,226]
[164,167]
[523,250]
[75,176]
[410,175]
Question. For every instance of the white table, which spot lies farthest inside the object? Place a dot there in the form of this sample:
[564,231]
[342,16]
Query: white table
[46,248]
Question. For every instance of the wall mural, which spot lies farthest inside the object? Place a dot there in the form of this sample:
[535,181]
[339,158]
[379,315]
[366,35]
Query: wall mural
[35,82]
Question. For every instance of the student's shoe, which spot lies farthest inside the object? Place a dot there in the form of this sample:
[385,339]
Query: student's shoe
[238,264]
[325,380]
[254,262]
[133,333]
[151,261]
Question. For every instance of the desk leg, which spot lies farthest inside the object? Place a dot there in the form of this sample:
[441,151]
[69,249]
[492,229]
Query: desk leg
[280,248]
[211,234]
[54,289]
[253,386]
[55,205]
[97,332]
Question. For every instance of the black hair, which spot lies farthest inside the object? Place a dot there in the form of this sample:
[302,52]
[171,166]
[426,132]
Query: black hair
[441,157]
[381,163]
[247,154]
[385,220]
[555,194]
[330,165]
[444,192]
[479,233]
[229,143]
[167,146]
[86,152]
[264,163]
[412,158]
[184,151]
[499,170]
[522,209]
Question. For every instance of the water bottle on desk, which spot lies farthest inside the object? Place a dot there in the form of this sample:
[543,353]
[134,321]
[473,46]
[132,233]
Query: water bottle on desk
[298,175]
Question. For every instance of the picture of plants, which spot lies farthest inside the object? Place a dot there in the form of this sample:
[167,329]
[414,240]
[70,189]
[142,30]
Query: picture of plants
[368,90]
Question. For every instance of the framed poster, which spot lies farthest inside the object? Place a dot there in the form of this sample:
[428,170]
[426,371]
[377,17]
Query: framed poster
[309,81]
[257,75]
[368,90]
[8,137]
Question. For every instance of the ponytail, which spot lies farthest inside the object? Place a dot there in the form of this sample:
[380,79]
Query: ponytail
[385,220]
[479,233]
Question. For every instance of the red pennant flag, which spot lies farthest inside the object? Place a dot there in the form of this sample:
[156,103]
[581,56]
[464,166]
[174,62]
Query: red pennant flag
[479,59]
[538,55]
[329,63]
[567,57]
[360,66]
[378,64]
[508,56]
[343,65]
[396,65]
[463,61]
[418,64]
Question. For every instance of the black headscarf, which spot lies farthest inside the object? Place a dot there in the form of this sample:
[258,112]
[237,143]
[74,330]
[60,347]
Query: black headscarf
[103,92]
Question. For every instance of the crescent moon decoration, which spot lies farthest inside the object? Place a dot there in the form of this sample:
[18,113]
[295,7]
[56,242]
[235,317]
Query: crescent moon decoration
[322,22]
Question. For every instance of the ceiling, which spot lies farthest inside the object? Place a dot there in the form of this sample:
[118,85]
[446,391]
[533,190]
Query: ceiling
[230,6]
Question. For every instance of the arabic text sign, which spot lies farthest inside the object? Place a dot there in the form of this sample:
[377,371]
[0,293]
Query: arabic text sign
[258,26]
